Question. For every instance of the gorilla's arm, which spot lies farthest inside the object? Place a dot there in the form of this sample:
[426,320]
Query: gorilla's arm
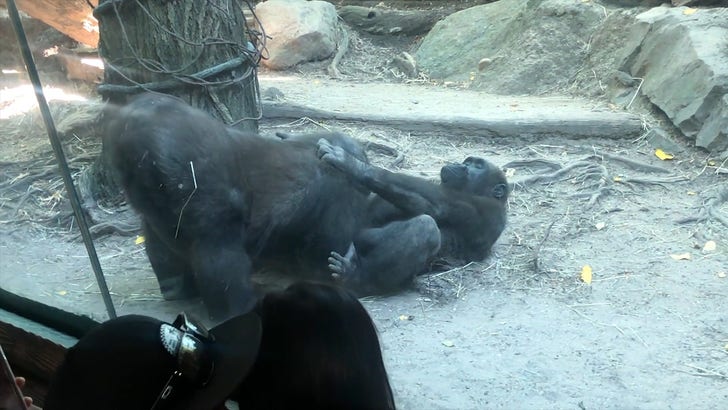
[412,195]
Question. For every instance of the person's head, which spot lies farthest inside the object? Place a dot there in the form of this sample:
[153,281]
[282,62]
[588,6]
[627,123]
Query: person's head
[319,350]
[138,362]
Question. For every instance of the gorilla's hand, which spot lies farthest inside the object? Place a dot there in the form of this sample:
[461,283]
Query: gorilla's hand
[340,159]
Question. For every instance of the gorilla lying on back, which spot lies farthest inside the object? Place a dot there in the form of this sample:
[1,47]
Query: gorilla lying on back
[216,203]
[412,220]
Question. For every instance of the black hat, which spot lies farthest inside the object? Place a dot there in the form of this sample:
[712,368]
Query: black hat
[139,362]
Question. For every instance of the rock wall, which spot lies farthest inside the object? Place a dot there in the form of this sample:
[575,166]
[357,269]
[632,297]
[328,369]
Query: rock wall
[675,57]
[683,61]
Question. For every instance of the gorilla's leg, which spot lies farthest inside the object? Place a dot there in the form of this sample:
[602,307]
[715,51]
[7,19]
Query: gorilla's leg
[222,275]
[387,258]
[171,266]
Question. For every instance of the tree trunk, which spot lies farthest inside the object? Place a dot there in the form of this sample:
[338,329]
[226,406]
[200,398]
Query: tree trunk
[198,50]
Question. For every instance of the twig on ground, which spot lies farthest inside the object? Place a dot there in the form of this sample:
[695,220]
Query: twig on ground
[704,372]
[537,251]
[637,91]
[437,275]
[120,228]
[596,322]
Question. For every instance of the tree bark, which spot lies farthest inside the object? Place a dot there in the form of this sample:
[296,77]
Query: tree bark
[198,50]
[168,45]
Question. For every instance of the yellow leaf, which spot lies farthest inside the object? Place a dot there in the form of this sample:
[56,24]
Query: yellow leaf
[406,317]
[663,155]
[711,163]
[721,275]
[726,346]
[692,193]
[681,256]
[139,240]
[600,226]
[586,274]
[617,179]
[62,292]
[448,343]
[709,246]
[688,11]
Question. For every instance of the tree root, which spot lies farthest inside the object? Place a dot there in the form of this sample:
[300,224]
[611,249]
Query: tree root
[709,210]
[386,150]
[593,177]
[341,49]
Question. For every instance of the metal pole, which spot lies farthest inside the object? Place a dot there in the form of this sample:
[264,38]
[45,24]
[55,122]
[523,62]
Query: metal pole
[60,156]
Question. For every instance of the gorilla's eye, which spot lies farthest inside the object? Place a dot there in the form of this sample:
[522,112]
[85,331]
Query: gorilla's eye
[476,162]
[499,191]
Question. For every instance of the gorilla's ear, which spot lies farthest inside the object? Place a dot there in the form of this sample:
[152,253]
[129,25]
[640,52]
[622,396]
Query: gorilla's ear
[499,191]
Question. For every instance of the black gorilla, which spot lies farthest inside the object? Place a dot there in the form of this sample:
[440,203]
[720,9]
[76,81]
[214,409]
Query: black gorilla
[216,202]
[412,220]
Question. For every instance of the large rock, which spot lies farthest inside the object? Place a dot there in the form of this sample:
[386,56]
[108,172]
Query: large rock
[523,46]
[378,20]
[300,31]
[634,3]
[718,3]
[683,59]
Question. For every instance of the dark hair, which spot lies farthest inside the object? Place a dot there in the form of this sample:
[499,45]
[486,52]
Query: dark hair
[319,350]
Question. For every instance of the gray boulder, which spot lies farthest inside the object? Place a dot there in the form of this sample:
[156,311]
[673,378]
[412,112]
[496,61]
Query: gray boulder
[683,60]
[529,46]
[300,31]
[634,3]
[716,3]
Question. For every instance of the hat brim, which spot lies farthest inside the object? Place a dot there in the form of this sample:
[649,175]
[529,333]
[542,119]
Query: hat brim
[234,352]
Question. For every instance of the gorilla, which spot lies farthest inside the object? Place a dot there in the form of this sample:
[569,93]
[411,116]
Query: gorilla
[411,221]
[216,203]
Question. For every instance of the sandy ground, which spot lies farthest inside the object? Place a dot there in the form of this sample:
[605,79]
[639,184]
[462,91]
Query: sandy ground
[518,330]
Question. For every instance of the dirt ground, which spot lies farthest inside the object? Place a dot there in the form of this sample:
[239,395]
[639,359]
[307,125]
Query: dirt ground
[521,329]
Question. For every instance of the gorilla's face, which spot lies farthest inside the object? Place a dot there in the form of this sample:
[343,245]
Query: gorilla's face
[476,176]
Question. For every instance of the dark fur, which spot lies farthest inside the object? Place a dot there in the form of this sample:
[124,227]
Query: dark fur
[413,220]
[256,199]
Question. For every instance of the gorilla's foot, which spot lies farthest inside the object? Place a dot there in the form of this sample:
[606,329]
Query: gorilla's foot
[343,267]
[177,288]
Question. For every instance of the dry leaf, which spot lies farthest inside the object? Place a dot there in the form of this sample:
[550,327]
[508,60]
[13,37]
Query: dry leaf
[663,155]
[586,274]
[681,256]
[709,246]
[139,240]
[711,163]
[510,172]
[600,226]
[406,317]
[62,292]
[617,179]
[448,343]
[688,11]
[721,274]
[692,193]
